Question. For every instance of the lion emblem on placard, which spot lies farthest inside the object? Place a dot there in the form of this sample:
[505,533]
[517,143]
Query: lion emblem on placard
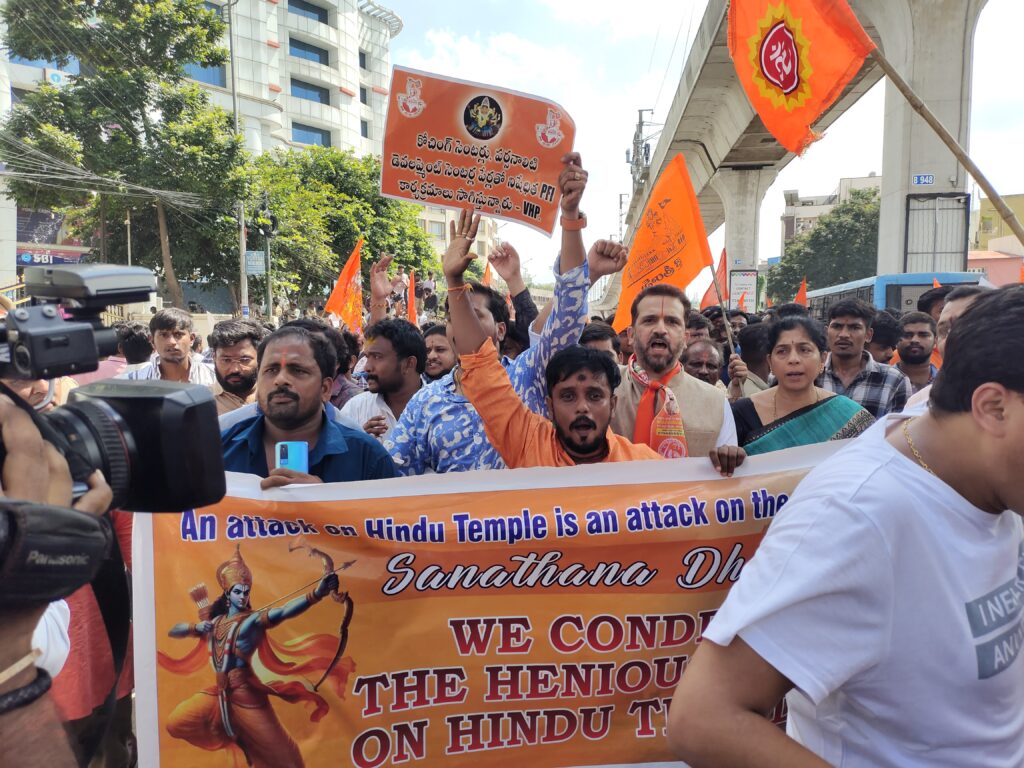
[549,134]
[409,103]
[482,117]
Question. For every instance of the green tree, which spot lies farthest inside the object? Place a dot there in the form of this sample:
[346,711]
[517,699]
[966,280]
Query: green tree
[842,246]
[128,134]
[325,199]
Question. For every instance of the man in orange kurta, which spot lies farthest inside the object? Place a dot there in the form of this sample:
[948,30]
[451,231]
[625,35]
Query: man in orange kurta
[581,386]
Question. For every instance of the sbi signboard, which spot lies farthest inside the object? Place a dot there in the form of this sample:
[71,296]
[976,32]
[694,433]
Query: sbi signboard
[49,256]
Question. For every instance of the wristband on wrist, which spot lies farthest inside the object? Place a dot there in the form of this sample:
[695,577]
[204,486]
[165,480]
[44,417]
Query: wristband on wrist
[22,697]
[574,225]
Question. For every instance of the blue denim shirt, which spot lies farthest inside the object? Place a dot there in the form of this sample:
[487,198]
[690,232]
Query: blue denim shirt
[340,455]
[440,431]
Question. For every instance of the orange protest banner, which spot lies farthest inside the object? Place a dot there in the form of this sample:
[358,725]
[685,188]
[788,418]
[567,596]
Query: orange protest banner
[458,144]
[486,619]
[670,245]
[346,300]
[721,275]
[793,58]
[801,295]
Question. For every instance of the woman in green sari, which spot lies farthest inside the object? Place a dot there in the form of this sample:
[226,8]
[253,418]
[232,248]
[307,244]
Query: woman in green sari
[795,411]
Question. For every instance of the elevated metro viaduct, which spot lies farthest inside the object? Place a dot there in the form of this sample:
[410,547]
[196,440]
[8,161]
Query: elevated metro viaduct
[732,159]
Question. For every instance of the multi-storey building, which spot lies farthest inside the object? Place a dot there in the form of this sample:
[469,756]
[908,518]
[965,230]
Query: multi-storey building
[308,72]
[802,213]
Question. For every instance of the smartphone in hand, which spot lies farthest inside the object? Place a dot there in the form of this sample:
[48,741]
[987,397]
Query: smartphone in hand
[292,455]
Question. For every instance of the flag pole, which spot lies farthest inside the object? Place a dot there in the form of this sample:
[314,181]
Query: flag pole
[947,138]
[725,314]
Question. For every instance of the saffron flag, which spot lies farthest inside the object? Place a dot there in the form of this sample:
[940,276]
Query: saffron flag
[346,300]
[1022,273]
[741,305]
[670,245]
[710,296]
[801,295]
[411,298]
[768,302]
[936,283]
[488,276]
[794,58]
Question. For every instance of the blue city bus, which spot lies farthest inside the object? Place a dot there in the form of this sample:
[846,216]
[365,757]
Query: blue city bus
[881,291]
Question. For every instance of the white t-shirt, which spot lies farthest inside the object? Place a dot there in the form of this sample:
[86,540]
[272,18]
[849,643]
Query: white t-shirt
[363,407]
[895,608]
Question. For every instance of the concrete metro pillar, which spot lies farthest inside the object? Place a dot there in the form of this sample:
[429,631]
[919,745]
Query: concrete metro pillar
[742,192]
[931,44]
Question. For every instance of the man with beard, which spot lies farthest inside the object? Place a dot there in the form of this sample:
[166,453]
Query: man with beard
[580,383]
[658,402]
[234,344]
[395,358]
[173,335]
[440,353]
[296,370]
[851,371]
[957,302]
[917,341]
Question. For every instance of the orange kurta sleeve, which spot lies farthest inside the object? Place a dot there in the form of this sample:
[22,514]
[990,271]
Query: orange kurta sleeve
[522,437]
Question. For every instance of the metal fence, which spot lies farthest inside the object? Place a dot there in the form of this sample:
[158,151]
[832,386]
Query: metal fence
[936,232]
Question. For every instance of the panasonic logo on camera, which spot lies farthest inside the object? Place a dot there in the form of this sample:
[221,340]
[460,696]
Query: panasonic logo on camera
[35,557]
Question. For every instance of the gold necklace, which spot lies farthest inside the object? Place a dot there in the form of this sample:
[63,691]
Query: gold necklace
[775,402]
[913,448]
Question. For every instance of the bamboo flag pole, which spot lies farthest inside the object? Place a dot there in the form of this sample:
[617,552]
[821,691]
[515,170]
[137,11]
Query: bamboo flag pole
[725,313]
[947,138]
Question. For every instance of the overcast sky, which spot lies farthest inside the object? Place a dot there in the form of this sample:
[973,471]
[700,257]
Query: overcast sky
[602,60]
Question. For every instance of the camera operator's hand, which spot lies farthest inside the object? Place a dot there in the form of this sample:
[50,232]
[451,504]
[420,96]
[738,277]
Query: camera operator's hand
[35,471]
[281,477]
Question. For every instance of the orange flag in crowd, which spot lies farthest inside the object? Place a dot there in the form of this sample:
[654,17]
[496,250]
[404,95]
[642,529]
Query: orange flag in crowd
[801,295]
[1022,273]
[670,245]
[768,302]
[488,277]
[710,297]
[411,309]
[346,300]
[741,305]
[793,58]
[936,283]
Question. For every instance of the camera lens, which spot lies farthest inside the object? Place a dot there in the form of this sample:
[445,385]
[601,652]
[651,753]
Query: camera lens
[100,435]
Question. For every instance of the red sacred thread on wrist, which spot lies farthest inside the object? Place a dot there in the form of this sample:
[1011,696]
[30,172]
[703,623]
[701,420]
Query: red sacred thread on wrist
[460,289]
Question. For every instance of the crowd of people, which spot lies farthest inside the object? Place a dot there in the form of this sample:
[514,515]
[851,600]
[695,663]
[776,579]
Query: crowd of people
[497,384]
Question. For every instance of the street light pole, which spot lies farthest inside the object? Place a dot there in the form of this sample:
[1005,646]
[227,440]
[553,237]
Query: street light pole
[243,283]
[128,225]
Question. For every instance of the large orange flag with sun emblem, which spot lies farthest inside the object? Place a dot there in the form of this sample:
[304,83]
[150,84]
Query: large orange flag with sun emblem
[793,58]
[346,300]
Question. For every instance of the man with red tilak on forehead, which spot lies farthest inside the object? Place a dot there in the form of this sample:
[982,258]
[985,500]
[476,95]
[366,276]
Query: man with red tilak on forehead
[658,402]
